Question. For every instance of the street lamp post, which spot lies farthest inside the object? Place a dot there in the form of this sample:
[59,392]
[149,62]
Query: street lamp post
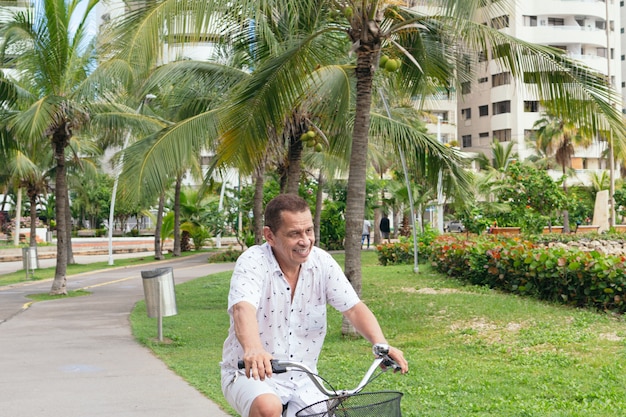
[410,193]
[116,173]
[439,185]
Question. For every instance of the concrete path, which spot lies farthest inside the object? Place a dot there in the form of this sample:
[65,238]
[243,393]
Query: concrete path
[76,357]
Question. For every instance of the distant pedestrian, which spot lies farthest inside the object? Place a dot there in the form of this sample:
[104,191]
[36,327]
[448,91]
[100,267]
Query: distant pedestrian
[385,228]
[367,226]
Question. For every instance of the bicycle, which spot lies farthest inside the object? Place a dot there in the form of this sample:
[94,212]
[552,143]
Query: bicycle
[349,402]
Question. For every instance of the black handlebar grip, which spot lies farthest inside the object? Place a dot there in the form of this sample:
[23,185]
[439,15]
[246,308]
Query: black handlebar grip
[390,363]
[277,368]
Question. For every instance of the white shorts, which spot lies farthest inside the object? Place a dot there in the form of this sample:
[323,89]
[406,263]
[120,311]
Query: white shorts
[240,391]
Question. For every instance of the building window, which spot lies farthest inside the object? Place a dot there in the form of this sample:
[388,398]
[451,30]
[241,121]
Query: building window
[467,141]
[502,135]
[502,107]
[531,106]
[500,22]
[466,87]
[483,111]
[556,21]
[483,135]
[529,134]
[530,20]
[483,80]
[466,114]
[501,79]
[443,115]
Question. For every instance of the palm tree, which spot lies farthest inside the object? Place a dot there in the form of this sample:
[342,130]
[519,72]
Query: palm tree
[149,168]
[558,137]
[33,169]
[53,62]
[600,181]
[434,50]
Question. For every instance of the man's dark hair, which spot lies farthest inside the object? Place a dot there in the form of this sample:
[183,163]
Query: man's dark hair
[280,203]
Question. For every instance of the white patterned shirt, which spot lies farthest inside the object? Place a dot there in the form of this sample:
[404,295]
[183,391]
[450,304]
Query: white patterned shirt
[289,330]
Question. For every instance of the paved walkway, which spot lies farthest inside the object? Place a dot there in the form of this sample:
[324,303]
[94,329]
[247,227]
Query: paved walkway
[76,357]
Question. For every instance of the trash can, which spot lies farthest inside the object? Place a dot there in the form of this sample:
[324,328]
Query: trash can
[29,258]
[158,288]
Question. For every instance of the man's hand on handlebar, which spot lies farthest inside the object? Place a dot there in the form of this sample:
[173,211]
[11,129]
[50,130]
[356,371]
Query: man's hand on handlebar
[398,362]
[258,365]
[398,356]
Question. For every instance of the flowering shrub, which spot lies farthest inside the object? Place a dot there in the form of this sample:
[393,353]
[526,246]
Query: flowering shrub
[401,252]
[570,276]
[395,253]
[228,255]
[9,226]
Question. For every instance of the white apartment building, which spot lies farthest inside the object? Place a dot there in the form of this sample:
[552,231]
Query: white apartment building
[494,106]
[7,9]
[440,109]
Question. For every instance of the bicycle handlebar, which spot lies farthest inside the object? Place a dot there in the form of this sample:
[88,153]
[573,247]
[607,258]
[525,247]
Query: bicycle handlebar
[381,353]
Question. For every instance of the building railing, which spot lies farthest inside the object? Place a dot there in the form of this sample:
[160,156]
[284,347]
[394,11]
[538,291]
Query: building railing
[16,3]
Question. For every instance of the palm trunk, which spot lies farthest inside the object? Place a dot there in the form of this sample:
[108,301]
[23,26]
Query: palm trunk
[59,142]
[257,208]
[177,187]
[32,198]
[355,203]
[158,250]
[68,214]
[319,200]
[18,217]
[566,228]
[294,164]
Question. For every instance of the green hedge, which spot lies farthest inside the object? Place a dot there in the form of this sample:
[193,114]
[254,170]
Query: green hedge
[569,276]
[401,252]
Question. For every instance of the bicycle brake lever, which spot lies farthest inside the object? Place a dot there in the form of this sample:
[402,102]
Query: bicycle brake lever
[390,363]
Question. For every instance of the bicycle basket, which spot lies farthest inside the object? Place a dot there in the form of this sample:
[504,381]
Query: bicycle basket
[367,404]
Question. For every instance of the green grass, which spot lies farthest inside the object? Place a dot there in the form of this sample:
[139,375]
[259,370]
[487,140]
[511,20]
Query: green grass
[472,351]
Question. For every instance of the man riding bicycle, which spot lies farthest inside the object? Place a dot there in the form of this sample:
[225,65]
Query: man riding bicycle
[277,304]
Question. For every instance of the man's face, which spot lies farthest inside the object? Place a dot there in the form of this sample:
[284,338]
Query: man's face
[293,241]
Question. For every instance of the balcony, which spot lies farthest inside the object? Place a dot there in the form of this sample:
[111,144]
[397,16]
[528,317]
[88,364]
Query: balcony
[16,3]
[594,8]
[563,35]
